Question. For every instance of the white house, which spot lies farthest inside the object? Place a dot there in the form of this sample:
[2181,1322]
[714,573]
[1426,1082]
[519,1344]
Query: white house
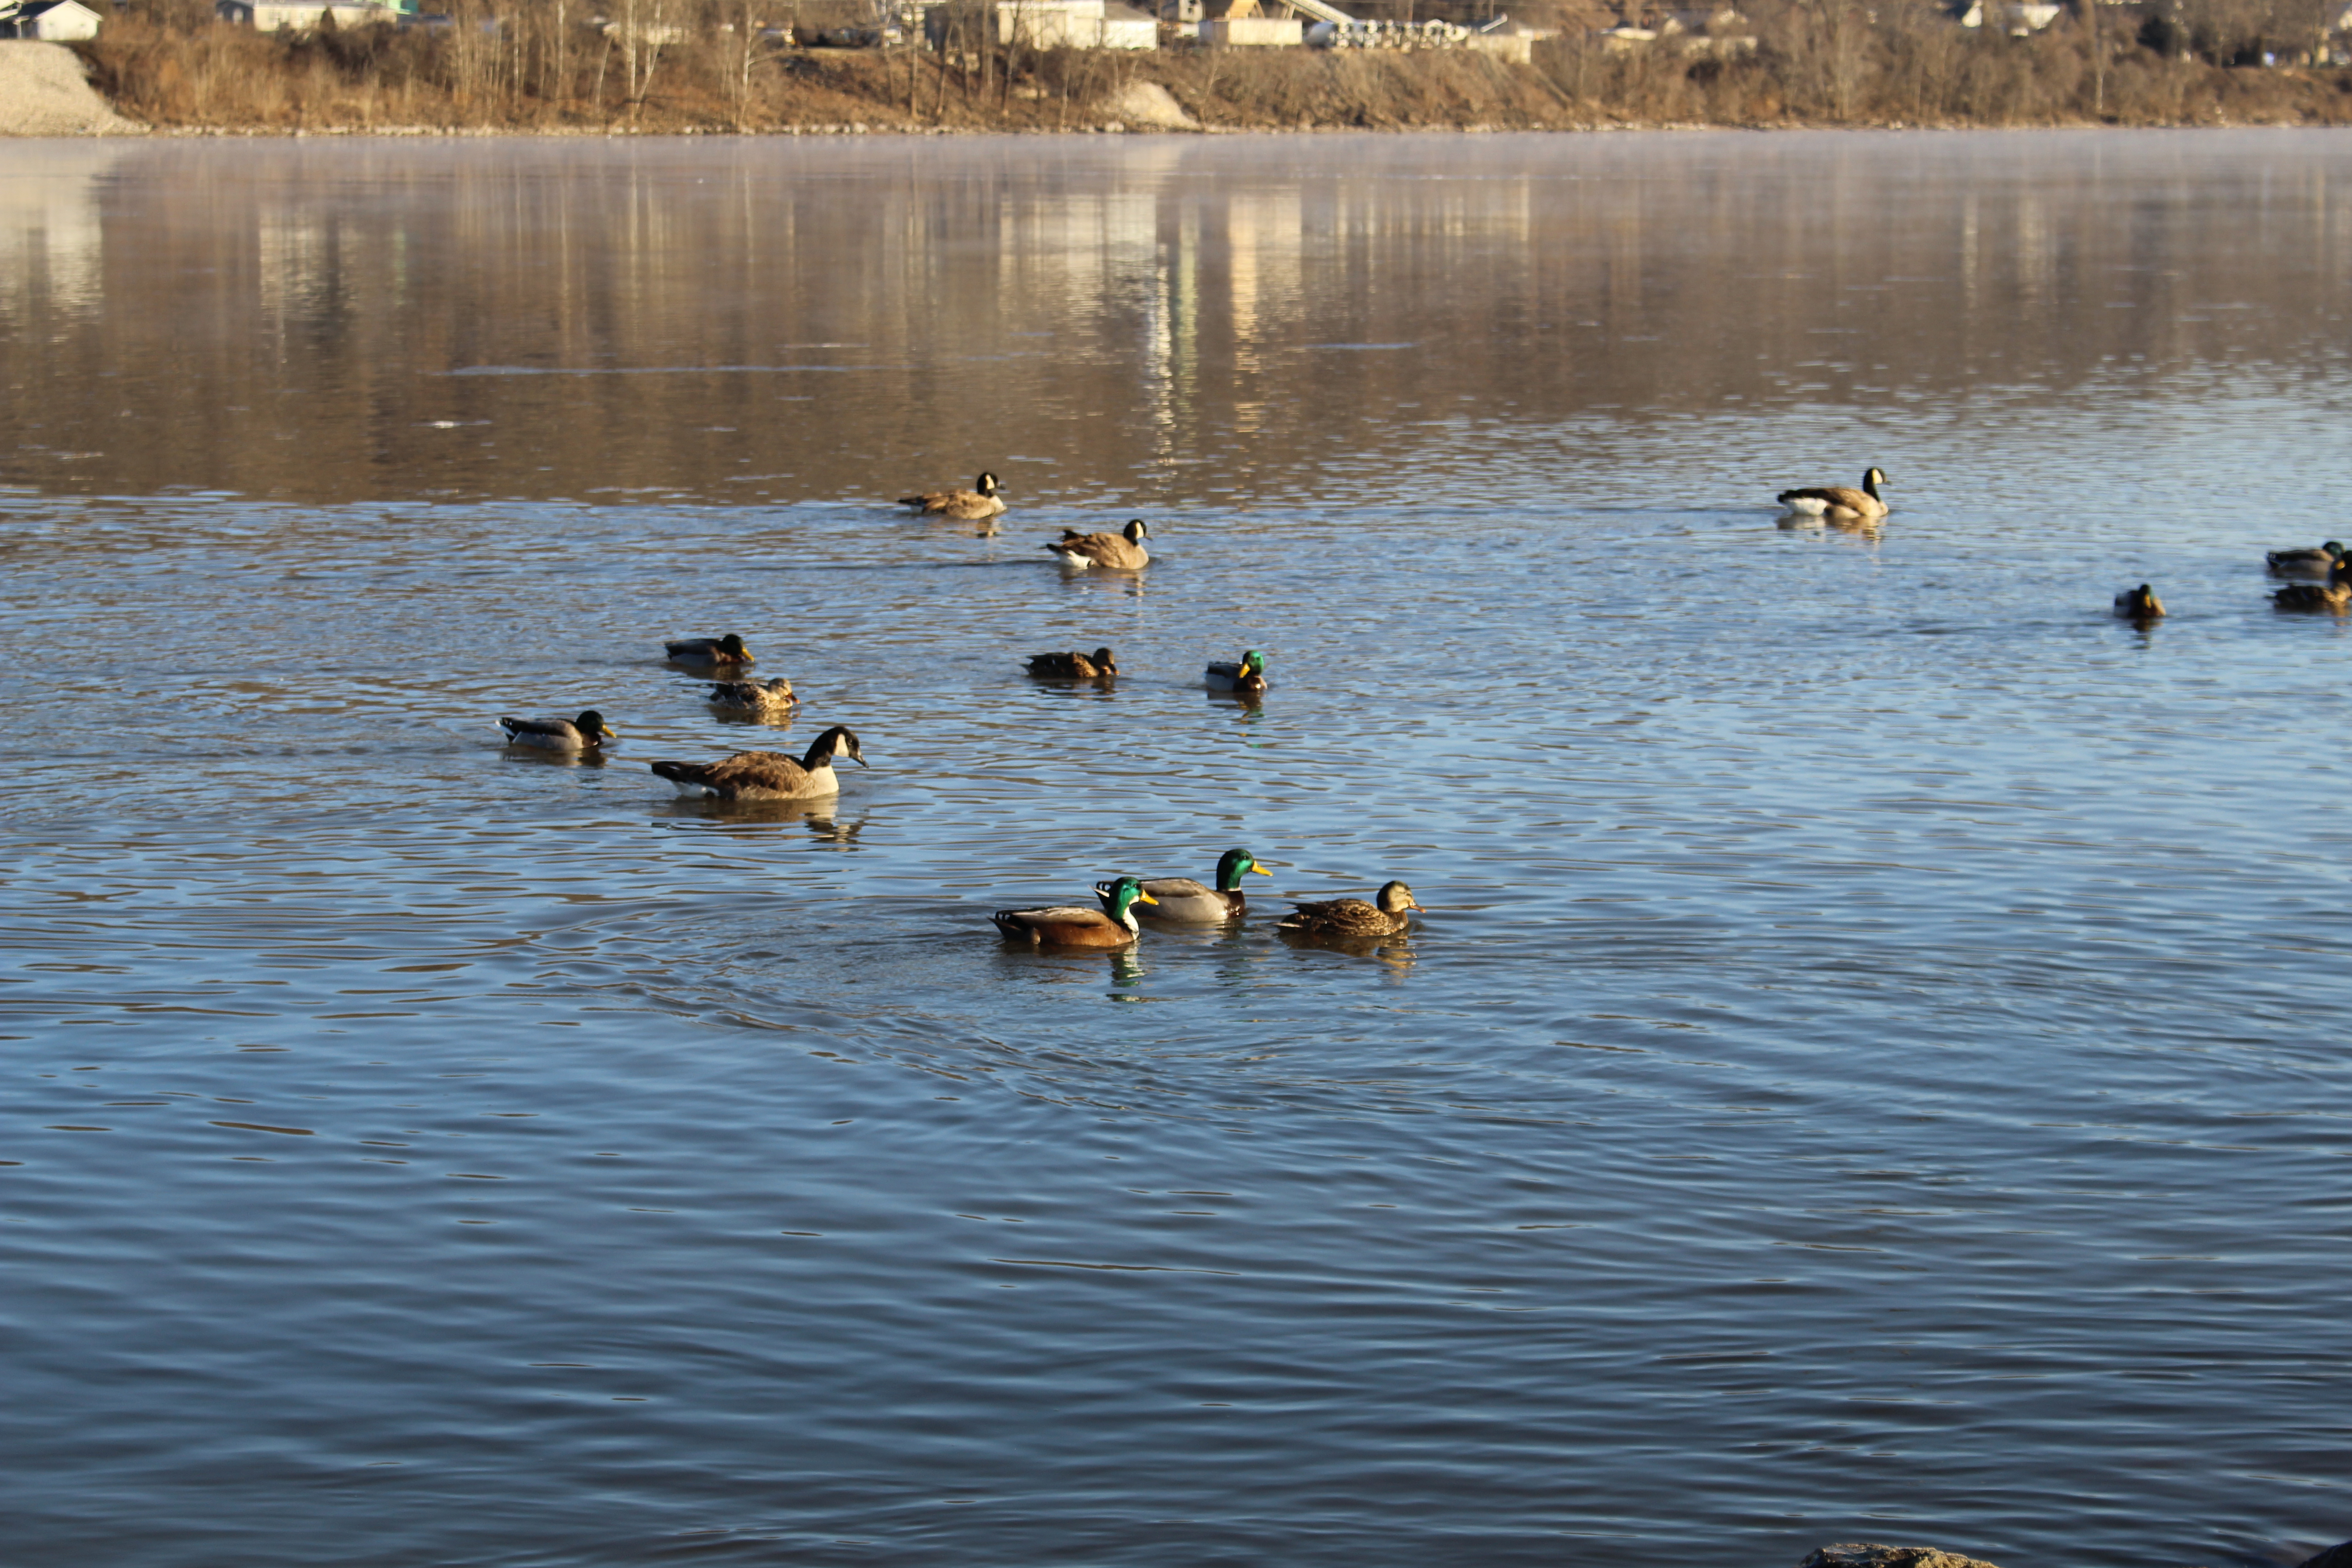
[52,21]
[281,17]
[1057,24]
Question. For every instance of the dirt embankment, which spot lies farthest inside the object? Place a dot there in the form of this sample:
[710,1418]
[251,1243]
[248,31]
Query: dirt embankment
[43,92]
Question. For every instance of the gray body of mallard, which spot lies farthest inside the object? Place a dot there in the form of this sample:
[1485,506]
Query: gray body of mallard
[1181,898]
[2139,604]
[1121,551]
[1353,917]
[1842,501]
[1075,925]
[1092,665]
[752,698]
[974,505]
[585,733]
[710,652]
[2305,563]
[768,775]
[1248,676]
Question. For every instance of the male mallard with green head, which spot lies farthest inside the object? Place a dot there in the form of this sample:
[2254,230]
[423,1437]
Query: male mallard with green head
[1248,676]
[2336,594]
[1092,665]
[2305,563]
[710,651]
[1073,925]
[2139,604]
[1121,551]
[1353,917]
[1182,898]
[585,733]
[768,775]
[974,505]
[769,699]
[1840,502]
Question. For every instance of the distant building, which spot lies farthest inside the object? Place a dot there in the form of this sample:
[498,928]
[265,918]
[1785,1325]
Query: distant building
[1052,25]
[51,21]
[282,16]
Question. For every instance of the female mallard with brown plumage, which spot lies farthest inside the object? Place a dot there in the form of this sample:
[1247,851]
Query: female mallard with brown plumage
[1838,503]
[1073,925]
[1182,898]
[705,652]
[769,699]
[1121,551]
[2336,594]
[1092,665]
[2139,604]
[768,775]
[1353,917]
[2305,563]
[974,505]
[585,733]
[1248,677]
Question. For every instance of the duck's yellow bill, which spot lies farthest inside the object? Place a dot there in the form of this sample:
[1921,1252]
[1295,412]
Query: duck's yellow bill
[1261,870]
[1144,896]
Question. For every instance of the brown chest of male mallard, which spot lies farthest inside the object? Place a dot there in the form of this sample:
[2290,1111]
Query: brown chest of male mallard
[1248,677]
[2335,594]
[2317,563]
[1097,666]
[1075,925]
[2139,604]
[1842,503]
[768,775]
[1181,899]
[1385,916]
[1121,551]
[587,734]
[710,653]
[769,699]
[974,505]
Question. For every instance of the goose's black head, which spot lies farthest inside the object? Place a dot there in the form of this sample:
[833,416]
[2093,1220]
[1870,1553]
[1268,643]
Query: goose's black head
[836,742]
[1134,531]
[985,484]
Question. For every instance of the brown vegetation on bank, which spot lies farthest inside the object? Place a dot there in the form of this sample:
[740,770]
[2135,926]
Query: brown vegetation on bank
[740,64]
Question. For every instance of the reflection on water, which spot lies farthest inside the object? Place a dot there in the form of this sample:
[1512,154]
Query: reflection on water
[1869,1068]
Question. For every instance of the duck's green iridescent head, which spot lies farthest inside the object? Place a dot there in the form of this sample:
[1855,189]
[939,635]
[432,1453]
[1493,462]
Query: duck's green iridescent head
[591,724]
[1125,893]
[733,645]
[1231,867]
[2335,549]
[1253,662]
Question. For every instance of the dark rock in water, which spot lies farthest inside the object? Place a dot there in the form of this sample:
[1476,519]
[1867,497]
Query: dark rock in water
[2334,1557]
[1870,1554]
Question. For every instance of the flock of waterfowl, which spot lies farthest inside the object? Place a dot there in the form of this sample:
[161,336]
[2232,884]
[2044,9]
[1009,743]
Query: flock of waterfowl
[762,775]
[1846,504]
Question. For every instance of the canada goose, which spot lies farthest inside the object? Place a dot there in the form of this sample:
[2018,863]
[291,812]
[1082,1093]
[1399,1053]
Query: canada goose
[584,734]
[1092,665]
[1073,925]
[768,775]
[769,699]
[1182,898]
[1248,676]
[1121,551]
[2315,563]
[2336,594]
[705,651]
[974,505]
[2139,604]
[1839,500]
[1353,917]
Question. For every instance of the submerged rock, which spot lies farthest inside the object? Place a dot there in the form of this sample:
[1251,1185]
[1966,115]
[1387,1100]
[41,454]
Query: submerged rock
[1870,1554]
[2334,1557]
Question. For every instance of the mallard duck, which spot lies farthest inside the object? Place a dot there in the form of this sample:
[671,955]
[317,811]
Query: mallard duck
[1182,898]
[1353,917]
[2319,562]
[584,734]
[974,505]
[766,698]
[1839,500]
[1073,925]
[1121,551]
[2336,594]
[768,775]
[1074,665]
[728,650]
[1249,675]
[2139,604]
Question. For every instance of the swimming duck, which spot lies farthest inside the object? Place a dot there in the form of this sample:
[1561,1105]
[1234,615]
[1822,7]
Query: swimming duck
[584,734]
[1842,501]
[728,650]
[1182,898]
[1353,917]
[768,775]
[974,505]
[769,699]
[2319,561]
[1249,675]
[1073,925]
[2139,604]
[1074,665]
[2336,594]
[1121,551]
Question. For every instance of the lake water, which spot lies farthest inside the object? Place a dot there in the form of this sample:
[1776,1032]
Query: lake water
[1874,1065]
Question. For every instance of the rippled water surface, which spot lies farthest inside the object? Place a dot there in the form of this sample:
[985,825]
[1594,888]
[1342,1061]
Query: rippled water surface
[1874,1065]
